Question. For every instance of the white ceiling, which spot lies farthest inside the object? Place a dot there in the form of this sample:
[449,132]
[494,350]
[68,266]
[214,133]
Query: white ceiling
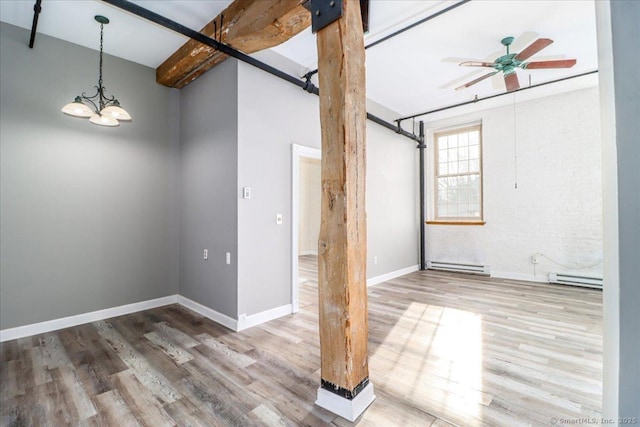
[413,72]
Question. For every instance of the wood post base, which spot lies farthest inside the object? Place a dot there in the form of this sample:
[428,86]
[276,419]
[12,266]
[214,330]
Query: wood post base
[349,409]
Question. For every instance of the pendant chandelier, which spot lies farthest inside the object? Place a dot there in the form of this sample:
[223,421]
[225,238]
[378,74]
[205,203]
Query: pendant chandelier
[99,108]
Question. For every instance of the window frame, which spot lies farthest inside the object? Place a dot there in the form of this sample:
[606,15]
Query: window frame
[455,220]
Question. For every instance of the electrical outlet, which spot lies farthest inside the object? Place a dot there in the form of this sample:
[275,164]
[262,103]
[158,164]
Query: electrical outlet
[535,259]
[205,254]
[246,192]
[228,260]
[375,259]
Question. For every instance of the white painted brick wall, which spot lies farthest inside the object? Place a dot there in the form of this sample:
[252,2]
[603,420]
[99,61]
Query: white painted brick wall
[556,209]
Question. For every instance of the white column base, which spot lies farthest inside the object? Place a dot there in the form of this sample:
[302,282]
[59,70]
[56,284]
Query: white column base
[347,409]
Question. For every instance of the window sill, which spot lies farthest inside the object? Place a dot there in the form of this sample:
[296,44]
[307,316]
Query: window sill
[455,222]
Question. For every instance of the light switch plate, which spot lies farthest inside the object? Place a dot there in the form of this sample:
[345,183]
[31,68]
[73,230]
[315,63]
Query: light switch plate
[279,219]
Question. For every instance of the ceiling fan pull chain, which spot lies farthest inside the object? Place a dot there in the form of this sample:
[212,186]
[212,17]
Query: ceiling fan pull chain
[515,145]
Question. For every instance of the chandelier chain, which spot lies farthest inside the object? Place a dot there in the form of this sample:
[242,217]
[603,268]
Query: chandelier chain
[101,39]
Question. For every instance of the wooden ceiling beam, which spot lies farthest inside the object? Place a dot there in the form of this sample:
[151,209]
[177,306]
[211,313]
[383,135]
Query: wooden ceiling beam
[246,25]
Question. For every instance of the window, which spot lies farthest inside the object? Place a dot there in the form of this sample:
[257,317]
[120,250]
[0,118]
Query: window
[458,155]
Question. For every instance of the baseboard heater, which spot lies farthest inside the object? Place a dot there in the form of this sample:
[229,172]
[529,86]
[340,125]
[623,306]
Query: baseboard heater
[458,268]
[583,281]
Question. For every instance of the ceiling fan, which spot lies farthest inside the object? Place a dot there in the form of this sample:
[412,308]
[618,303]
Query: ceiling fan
[508,63]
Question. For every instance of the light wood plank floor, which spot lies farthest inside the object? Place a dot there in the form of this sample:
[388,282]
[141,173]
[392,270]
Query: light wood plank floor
[445,349]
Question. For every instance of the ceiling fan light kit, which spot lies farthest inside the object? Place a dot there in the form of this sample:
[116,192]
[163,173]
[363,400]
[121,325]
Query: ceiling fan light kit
[509,62]
[99,108]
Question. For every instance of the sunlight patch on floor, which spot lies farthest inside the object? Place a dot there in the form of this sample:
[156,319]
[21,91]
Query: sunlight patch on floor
[437,360]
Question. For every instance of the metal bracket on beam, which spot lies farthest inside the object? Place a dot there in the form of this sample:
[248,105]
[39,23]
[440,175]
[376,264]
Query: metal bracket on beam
[323,12]
[364,11]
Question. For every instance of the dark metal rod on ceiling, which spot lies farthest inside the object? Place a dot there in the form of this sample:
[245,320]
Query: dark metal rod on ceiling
[410,26]
[37,8]
[421,147]
[415,24]
[473,101]
[392,127]
[228,50]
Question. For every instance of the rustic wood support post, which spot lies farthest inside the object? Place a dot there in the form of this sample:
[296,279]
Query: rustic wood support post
[345,388]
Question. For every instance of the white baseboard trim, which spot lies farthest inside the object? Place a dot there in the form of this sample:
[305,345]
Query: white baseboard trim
[209,313]
[541,278]
[347,409]
[392,275]
[264,316]
[79,319]
[303,253]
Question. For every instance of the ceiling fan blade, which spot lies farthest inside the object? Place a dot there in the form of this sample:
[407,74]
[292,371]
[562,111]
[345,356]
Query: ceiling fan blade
[533,48]
[561,63]
[479,79]
[477,64]
[511,80]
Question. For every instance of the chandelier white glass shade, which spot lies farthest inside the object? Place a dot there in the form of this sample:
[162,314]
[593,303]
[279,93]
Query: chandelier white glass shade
[99,108]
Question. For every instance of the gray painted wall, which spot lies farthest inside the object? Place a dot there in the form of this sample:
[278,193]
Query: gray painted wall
[273,115]
[208,199]
[89,215]
[625,16]
[618,65]
[392,201]
[95,217]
